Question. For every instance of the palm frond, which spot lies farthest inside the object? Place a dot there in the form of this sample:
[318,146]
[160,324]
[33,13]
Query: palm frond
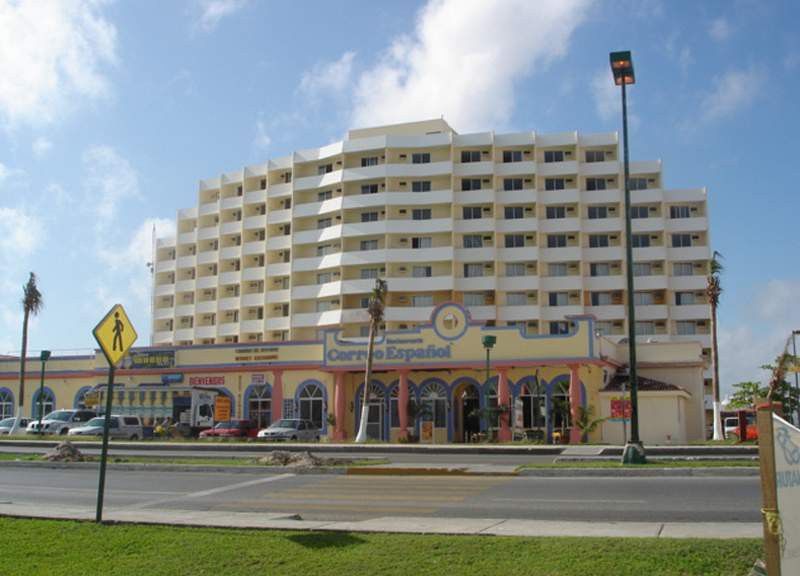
[32,301]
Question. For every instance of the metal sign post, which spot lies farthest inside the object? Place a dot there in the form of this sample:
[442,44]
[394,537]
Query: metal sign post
[115,334]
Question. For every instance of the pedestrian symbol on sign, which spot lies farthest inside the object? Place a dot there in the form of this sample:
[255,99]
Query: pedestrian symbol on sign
[118,328]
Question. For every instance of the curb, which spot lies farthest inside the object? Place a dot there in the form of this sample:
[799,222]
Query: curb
[707,472]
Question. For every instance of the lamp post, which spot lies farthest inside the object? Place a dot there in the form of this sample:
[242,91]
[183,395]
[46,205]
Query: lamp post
[488,344]
[622,69]
[44,356]
[796,383]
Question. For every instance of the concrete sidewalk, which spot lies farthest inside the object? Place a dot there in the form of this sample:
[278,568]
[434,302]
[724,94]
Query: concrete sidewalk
[415,525]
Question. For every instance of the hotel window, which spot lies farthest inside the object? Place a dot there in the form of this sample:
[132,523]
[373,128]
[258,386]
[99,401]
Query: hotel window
[324,277]
[553,156]
[473,241]
[515,240]
[472,212]
[369,161]
[679,212]
[601,299]
[369,188]
[681,240]
[512,184]
[421,186]
[642,298]
[364,302]
[324,169]
[558,298]
[682,269]
[263,183]
[369,273]
[645,328]
[600,269]
[470,184]
[421,242]
[365,245]
[640,240]
[554,184]
[557,269]
[685,298]
[637,183]
[369,216]
[640,212]
[474,299]
[556,240]
[470,155]
[363,331]
[324,195]
[434,399]
[554,212]
[422,300]
[595,184]
[324,249]
[642,269]
[685,327]
[595,155]
[473,270]
[421,214]
[513,212]
[512,156]
[323,223]
[421,158]
[325,305]
[597,212]
[515,269]
[422,271]
[516,299]
[604,327]
[598,240]
[312,405]
[557,328]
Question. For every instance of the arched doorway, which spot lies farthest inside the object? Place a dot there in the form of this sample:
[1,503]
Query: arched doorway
[534,401]
[259,405]
[6,403]
[376,415]
[560,412]
[311,404]
[433,399]
[466,411]
[48,402]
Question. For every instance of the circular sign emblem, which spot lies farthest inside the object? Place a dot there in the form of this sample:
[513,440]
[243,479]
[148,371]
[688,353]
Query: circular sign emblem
[450,321]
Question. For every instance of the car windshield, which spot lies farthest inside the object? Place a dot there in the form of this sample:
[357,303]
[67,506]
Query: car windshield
[285,424]
[60,415]
[226,424]
[7,423]
[96,421]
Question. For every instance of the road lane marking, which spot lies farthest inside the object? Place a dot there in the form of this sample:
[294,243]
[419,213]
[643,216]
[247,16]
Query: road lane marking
[568,500]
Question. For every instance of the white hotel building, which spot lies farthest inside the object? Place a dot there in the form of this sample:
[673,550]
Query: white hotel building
[523,229]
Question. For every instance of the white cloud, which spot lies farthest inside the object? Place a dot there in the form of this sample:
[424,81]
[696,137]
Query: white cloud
[212,11]
[261,141]
[463,61]
[20,233]
[734,90]
[51,54]
[138,250]
[608,101]
[719,30]
[328,78]
[109,180]
[41,146]
[4,172]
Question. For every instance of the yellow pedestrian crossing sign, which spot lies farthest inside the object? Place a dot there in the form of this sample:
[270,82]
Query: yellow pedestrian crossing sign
[115,334]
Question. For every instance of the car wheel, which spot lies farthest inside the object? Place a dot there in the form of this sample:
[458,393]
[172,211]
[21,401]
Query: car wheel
[63,431]
[316,438]
[134,436]
[294,437]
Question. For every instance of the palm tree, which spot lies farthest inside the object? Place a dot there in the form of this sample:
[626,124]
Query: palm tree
[31,305]
[375,308]
[713,292]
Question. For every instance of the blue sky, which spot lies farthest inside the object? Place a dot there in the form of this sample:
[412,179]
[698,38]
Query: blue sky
[110,112]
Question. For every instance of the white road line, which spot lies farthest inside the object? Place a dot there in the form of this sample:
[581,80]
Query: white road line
[568,501]
[210,492]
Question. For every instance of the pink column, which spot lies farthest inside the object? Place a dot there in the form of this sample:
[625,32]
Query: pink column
[574,402]
[503,399]
[402,404]
[277,395]
[339,406]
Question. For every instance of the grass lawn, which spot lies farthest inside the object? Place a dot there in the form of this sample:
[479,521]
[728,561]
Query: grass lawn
[188,461]
[650,464]
[56,548]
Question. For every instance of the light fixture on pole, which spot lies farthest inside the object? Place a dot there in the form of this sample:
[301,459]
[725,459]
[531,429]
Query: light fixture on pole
[488,342]
[44,356]
[622,69]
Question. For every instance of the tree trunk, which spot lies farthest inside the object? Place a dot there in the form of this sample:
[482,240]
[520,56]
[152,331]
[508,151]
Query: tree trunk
[20,410]
[361,437]
[715,375]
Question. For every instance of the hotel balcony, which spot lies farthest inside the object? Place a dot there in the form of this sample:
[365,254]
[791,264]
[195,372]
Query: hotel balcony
[526,196]
[549,313]
[696,282]
[517,283]
[565,196]
[690,312]
[651,312]
[475,283]
[607,312]
[655,282]
[596,225]
[526,312]
[690,253]
[520,225]
[609,196]
[697,224]
[560,225]
[523,253]
[604,283]
[474,225]
[523,168]
[566,254]
[567,168]
[611,168]
[163,337]
[560,283]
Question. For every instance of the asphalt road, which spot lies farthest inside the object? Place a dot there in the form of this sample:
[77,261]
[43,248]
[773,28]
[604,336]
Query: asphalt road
[339,497]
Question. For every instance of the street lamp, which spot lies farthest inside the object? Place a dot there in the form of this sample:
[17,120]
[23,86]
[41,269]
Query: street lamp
[44,356]
[622,69]
[488,343]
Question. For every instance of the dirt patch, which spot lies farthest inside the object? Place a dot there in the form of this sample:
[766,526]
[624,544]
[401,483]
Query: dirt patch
[65,452]
[300,460]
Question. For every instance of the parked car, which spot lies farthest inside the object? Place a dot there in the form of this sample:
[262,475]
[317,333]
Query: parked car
[291,429]
[231,429]
[126,427]
[60,421]
[731,427]
[8,423]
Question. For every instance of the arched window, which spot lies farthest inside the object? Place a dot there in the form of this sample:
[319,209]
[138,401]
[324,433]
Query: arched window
[48,403]
[533,404]
[376,413]
[6,403]
[559,411]
[80,398]
[259,405]
[434,402]
[312,404]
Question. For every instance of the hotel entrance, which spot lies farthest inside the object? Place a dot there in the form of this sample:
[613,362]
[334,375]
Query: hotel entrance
[466,412]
